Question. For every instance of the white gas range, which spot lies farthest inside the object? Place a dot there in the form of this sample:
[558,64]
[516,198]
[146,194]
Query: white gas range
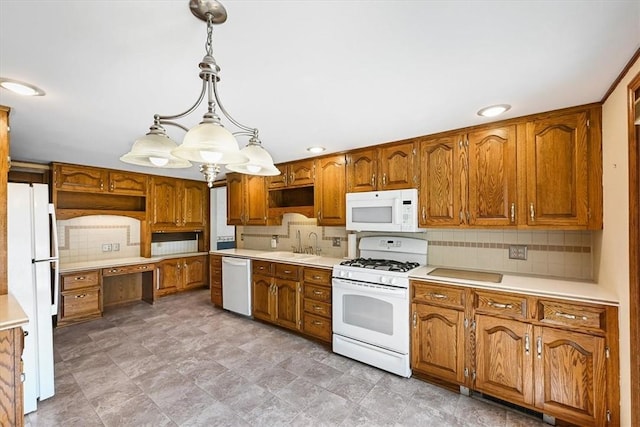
[371,302]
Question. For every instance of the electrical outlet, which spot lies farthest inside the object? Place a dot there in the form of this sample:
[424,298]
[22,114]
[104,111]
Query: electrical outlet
[115,246]
[336,242]
[106,247]
[518,252]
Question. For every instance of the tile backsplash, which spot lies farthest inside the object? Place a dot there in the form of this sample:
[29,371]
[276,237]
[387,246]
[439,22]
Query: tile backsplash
[81,239]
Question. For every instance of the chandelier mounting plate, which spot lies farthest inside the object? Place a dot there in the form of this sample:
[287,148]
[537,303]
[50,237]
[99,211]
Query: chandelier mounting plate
[202,8]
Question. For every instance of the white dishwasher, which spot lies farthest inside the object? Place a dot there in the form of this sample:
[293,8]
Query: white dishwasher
[236,285]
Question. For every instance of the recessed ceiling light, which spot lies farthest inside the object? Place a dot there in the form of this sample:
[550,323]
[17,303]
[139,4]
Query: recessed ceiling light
[21,88]
[316,149]
[494,110]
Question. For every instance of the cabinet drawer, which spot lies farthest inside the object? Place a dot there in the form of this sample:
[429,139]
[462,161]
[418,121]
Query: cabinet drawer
[572,315]
[85,302]
[80,280]
[262,267]
[287,271]
[316,326]
[317,293]
[315,275]
[501,304]
[318,308]
[127,269]
[438,294]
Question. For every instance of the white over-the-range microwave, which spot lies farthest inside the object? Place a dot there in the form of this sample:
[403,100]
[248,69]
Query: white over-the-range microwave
[390,210]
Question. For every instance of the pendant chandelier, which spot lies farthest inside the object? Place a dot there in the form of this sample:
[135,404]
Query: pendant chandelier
[208,143]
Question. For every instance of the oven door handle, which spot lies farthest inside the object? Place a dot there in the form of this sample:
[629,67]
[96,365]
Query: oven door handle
[372,289]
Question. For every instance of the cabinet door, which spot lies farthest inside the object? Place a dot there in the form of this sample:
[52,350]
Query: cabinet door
[287,303]
[165,204]
[79,178]
[556,170]
[255,200]
[170,276]
[235,199]
[330,191]
[11,409]
[195,204]
[397,165]
[362,170]
[492,177]
[194,271]
[437,342]
[300,173]
[261,299]
[127,183]
[441,180]
[570,376]
[504,353]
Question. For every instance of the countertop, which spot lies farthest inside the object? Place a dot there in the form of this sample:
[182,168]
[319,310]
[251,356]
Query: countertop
[542,286]
[117,262]
[11,313]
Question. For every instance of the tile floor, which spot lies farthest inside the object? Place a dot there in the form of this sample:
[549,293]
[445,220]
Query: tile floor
[184,362]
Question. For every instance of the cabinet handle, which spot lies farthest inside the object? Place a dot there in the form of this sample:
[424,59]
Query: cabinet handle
[23,377]
[460,144]
[293,178]
[570,316]
[460,216]
[318,292]
[317,277]
[437,296]
[500,305]
[317,322]
[424,213]
[144,267]
[532,212]
[373,180]
[79,278]
[317,308]
[320,215]
[287,272]
[415,320]
[112,186]
[526,344]
[384,179]
[513,212]
[101,185]
[80,296]
[468,217]
[539,347]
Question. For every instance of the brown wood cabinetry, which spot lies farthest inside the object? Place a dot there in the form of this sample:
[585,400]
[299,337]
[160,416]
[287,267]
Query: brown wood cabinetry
[4,168]
[330,191]
[246,200]
[553,356]
[276,293]
[178,205]
[316,317]
[387,167]
[178,274]
[215,279]
[80,297]
[294,174]
[11,399]
[469,179]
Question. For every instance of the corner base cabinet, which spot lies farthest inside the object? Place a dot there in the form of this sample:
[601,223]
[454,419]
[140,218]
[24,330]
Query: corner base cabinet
[553,356]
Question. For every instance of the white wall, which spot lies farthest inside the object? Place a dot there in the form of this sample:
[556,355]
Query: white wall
[612,244]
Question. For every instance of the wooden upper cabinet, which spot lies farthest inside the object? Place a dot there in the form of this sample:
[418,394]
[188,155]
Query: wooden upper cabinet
[397,166]
[164,202]
[178,204]
[195,206]
[127,183]
[440,181]
[79,178]
[246,199]
[492,190]
[557,171]
[362,170]
[294,174]
[571,376]
[330,191]
[388,167]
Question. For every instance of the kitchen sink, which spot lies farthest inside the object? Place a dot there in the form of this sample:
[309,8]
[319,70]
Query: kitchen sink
[291,256]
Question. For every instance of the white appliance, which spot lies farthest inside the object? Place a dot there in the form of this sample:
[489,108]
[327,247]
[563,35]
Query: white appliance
[223,236]
[236,285]
[388,211]
[31,223]
[370,297]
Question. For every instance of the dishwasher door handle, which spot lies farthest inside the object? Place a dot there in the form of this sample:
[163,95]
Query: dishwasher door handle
[240,262]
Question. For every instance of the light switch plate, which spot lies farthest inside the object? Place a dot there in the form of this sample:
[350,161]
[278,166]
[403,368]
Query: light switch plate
[518,252]
[336,241]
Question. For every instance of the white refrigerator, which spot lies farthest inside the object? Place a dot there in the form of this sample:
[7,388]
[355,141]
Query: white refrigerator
[32,249]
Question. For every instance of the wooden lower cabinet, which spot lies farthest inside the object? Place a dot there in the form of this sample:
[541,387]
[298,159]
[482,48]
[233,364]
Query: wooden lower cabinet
[178,274]
[11,399]
[215,279]
[316,305]
[276,293]
[556,357]
[80,297]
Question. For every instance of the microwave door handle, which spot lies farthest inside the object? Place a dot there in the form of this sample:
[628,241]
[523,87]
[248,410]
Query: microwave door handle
[397,208]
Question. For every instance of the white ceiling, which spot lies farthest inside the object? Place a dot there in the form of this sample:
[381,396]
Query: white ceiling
[342,74]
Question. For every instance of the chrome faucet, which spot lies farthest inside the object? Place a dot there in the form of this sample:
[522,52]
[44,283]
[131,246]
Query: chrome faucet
[314,248]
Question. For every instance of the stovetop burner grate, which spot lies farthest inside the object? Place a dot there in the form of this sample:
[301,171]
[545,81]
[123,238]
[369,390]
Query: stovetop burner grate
[381,264]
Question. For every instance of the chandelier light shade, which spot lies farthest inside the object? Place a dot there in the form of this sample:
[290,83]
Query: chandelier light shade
[208,143]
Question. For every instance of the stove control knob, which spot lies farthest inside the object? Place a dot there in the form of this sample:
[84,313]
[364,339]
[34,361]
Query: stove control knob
[383,279]
[393,281]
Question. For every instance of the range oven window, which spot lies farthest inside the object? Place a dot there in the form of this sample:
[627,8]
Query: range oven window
[369,313]
[372,214]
